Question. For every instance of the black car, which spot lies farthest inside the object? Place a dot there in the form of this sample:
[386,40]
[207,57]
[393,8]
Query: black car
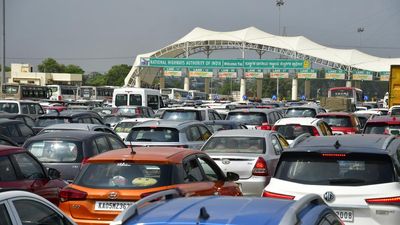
[28,120]
[67,150]
[16,130]
[4,140]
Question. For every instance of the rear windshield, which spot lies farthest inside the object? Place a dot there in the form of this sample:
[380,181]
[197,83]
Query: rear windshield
[337,121]
[300,112]
[180,115]
[235,145]
[56,151]
[158,134]
[113,119]
[47,121]
[343,170]
[395,111]
[291,131]
[380,128]
[125,175]
[249,118]
[124,127]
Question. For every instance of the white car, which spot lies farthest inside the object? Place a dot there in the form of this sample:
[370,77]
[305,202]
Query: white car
[124,127]
[293,127]
[394,110]
[21,207]
[356,175]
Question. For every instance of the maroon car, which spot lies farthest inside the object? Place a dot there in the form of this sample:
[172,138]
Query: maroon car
[20,170]
[341,122]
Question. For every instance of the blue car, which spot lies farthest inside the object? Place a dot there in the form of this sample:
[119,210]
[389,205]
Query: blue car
[167,207]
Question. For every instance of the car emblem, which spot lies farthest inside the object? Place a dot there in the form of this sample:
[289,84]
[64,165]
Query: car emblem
[226,161]
[329,196]
[113,195]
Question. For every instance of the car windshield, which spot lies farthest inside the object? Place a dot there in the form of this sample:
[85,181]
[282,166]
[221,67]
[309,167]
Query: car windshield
[336,169]
[124,127]
[127,110]
[125,175]
[337,121]
[149,134]
[380,128]
[47,121]
[395,111]
[292,131]
[50,151]
[300,112]
[235,145]
[249,118]
[180,115]
[9,107]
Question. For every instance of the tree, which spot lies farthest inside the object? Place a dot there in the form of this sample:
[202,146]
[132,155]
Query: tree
[8,69]
[50,65]
[73,69]
[95,79]
[116,75]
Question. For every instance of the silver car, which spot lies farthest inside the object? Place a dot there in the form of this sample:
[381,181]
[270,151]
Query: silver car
[253,154]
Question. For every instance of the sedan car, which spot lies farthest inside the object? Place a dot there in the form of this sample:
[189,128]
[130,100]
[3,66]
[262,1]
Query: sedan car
[67,150]
[341,122]
[253,154]
[112,181]
[21,207]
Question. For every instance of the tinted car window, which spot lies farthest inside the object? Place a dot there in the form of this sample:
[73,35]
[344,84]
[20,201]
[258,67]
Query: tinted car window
[29,167]
[25,130]
[193,134]
[115,143]
[9,107]
[159,134]
[180,115]
[135,99]
[205,133]
[337,121]
[102,144]
[121,99]
[4,216]
[124,127]
[235,145]
[44,122]
[32,212]
[152,101]
[291,132]
[192,171]
[300,112]
[56,151]
[7,170]
[379,128]
[250,118]
[13,130]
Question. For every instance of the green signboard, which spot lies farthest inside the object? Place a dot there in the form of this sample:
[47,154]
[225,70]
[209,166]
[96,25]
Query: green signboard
[172,72]
[199,72]
[227,73]
[226,63]
[307,74]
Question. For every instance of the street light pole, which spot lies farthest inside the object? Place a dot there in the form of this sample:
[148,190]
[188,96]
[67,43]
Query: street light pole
[360,30]
[279,3]
[3,68]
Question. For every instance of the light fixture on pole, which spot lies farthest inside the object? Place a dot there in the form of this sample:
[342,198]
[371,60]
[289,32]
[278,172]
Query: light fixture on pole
[3,67]
[360,30]
[279,3]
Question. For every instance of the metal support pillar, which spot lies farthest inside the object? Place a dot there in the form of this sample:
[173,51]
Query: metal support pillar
[242,88]
[307,89]
[259,88]
[294,88]
[207,85]
[138,81]
[162,82]
[348,83]
[186,85]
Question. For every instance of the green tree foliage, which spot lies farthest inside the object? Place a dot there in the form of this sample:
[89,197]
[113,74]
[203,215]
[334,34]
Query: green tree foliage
[73,69]
[8,69]
[50,65]
[95,79]
[116,75]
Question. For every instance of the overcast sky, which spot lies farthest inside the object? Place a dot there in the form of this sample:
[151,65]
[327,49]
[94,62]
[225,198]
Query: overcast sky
[96,34]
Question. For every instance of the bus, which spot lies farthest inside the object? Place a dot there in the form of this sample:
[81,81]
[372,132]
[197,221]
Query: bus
[175,93]
[25,92]
[137,97]
[355,94]
[62,92]
[197,95]
[104,93]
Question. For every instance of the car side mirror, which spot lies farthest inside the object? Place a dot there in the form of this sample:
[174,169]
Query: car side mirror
[231,176]
[53,173]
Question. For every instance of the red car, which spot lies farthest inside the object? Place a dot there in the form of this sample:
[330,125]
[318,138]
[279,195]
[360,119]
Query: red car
[341,122]
[19,169]
[383,125]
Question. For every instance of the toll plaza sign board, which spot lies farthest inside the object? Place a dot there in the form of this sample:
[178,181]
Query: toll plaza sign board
[335,74]
[307,74]
[384,76]
[279,74]
[225,63]
[253,73]
[227,73]
[198,72]
[362,75]
[172,72]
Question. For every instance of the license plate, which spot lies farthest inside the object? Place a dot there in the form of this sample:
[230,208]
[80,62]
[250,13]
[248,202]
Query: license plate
[345,215]
[111,205]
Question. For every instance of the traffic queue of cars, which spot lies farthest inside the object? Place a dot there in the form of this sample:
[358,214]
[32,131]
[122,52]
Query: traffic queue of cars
[283,165]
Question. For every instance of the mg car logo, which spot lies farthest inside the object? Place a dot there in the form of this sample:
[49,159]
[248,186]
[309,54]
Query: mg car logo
[113,195]
[329,196]
[226,161]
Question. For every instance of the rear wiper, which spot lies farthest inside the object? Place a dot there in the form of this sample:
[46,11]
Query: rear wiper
[346,181]
[143,139]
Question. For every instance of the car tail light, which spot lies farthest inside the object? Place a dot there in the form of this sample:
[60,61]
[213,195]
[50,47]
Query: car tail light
[59,98]
[260,168]
[275,128]
[333,155]
[264,126]
[386,201]
[68,194]
[268,194]
[315,131]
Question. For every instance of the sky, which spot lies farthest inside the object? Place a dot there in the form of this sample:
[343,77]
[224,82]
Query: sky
[97,34]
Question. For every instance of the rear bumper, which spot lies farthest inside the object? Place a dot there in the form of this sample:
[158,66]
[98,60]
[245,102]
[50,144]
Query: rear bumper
[253,185]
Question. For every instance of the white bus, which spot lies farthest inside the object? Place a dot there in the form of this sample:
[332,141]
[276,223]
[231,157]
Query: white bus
[198,95]
[137,96]
[175,93]
[104,93]
[62,92]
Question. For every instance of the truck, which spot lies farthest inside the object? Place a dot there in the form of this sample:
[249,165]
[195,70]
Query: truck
[394,86]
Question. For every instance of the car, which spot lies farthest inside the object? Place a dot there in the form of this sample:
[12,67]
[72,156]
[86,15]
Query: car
[4,140]
[253,154]
[16,130]
[208,210]
[341,122]
[357,175]
[189,113]
[383,111]
[111,181]
[304,111]
[28,120]
[363,119]
[382,125]
[185,134]
[394,110]
[26,107]
[68,150]
[216,125]
[23,171]
[252,118]
[291,128]
[124,127]
[76,126]
[138,111]
[22,207]
[113,119]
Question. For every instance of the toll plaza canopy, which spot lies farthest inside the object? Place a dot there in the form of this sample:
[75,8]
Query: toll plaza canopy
[297,47]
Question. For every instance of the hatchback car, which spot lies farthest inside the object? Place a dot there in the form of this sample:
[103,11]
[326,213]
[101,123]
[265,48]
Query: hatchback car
[186,134]
[124,127]
[138,111]
[253,118]
[382,125]
[215,210]
[356,175]
[22,171]
[21,207]
[341,122]
[253,154]
[67,150]
[77,126]
[188,113]
[112,181]
[16,130]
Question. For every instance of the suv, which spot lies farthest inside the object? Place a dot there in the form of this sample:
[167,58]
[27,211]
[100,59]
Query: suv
[187,113]
[262,119]
[341,122]
[26,107]
[357,175]
[16,130]
[382,125]
[172,209]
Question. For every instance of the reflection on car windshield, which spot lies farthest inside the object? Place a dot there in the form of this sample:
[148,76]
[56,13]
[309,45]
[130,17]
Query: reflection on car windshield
[180,115]
[300,112]
[337,121]
[235,145]
[56,151]
[159,134]
[248,118]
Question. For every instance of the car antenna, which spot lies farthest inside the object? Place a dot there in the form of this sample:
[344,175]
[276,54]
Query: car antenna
[133,152]
[337,144]
[203,214]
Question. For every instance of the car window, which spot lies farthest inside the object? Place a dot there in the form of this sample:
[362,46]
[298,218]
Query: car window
[217,116]
[249,118]
[277,146]
[337,121]
[9,107]
[39,109]
[115,143]
[192,171]
[25,130]
[152,101]
[33,212]
[28,166]
[211,116]
[87,120]
[95,121]
[235,145]
[102,144]
[50,151]
[29,121]
[13,130]
[4,216]
[180,115]
[193,134]
[24,109]
[135,99]
[210,169]
[205,133]
[32,109]
[124,127]
[300,112]
[157,134]
[271,118]
[7,170]
[292,131]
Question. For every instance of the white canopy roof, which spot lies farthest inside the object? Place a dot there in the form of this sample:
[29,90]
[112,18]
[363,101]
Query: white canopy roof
[299,44]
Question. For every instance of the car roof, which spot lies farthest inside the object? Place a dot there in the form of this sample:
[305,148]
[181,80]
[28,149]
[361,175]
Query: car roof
[70,113]
[9,121]
[305,107]
[385,119]
[137,120]
[20,101]
[261,110]
[168,123]
[243,133]
[211,122]
[79,135]
[335,114]
[297,120]
[75,126]
[145,154]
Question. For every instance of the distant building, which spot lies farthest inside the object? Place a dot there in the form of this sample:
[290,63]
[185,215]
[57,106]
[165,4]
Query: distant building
[23,73]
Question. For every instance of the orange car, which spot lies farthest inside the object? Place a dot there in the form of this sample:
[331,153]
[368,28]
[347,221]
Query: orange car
[112,181]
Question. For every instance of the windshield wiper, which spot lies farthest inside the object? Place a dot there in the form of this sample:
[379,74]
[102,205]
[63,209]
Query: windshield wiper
[346,181]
